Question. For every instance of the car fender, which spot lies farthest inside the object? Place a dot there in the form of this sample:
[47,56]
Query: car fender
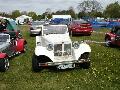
[20,44]
[3,55]
[82,49]
[39,50]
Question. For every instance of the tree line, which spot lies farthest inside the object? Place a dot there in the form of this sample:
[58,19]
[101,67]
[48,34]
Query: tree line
[87,8]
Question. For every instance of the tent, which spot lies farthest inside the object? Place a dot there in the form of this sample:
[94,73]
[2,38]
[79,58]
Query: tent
[23,19]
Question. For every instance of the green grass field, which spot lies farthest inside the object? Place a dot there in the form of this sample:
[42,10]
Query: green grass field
[104,73]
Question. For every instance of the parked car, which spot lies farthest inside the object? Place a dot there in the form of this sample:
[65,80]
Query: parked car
[55,48]
[35,27]
[112,24]
[99,23]
[9,26]
[113,37]
[9,48]
[80,27]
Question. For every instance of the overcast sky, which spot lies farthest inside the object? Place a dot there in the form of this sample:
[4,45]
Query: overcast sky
[39,6]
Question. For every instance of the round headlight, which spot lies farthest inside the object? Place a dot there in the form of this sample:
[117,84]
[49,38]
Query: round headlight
[76,44]
[49,47]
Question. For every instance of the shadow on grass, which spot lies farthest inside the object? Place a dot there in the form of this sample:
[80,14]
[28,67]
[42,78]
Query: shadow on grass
[56,70]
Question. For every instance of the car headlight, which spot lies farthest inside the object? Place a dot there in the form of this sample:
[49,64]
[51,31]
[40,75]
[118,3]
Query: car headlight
[112,38]
[76,44]
[49,47]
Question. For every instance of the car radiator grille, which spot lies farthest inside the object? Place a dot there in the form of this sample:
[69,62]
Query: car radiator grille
[62,49]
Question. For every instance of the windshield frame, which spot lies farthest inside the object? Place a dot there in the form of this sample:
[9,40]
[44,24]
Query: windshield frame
[4,38]
[55,29]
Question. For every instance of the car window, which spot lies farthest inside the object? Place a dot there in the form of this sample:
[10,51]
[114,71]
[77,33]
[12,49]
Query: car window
[38,23]
[4,38]
[11,25]
[80,22]
[54,29]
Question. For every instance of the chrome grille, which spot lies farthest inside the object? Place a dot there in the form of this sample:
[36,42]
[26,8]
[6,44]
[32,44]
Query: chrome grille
[62,49]
[58,50]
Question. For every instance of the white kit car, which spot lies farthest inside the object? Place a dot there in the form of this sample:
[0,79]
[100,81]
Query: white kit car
[55,48]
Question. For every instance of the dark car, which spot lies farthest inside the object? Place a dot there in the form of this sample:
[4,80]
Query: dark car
[80,27]
[113,37]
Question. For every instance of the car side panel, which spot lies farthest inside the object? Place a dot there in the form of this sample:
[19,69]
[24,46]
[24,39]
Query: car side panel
[39,50]
[20,45]
[82,49]
[3,55]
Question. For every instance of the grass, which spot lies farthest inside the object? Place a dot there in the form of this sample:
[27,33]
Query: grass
[104,73]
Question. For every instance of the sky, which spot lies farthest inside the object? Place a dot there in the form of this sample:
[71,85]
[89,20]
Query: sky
[40,6]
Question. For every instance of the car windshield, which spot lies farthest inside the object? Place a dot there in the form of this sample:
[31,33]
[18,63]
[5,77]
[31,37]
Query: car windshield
[79,22]
[11,25]
[4,38]
[38,23]
[54,29]
[100,20]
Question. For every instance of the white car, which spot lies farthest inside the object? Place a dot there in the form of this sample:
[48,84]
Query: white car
[55,48]
[35,28]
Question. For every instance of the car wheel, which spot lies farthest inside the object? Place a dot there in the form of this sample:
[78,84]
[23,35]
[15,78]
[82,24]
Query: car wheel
[86,64]
[108,42]
[35,64]
[4,64]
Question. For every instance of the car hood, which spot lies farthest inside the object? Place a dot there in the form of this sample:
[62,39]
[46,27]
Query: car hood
[57,38]
[3,45]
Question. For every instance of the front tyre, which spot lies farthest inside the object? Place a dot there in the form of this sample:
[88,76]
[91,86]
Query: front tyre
[86,64]
[4,64]
[108,42]
[35,64]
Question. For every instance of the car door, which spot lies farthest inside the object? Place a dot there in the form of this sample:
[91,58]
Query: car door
[12,48]
[117,38]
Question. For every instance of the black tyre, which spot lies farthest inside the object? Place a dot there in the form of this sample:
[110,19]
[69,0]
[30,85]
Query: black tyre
[4,64]
[35,64]
[108,42]
[86,64]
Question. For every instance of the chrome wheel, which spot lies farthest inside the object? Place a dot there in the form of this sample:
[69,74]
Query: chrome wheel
[7,65]
[108,42]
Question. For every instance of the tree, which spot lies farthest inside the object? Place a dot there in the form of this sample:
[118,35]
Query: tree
[33,15]
[39,17]
[48,13]
[72,12]
[15,14]
[89,6]
[96,14]
[24,13]
[112,10]
[81,14]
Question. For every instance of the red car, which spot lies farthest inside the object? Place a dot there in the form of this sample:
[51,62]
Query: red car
[9,48]
[80,27]
[113,37]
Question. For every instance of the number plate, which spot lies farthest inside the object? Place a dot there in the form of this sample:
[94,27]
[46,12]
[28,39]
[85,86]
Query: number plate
[65,66]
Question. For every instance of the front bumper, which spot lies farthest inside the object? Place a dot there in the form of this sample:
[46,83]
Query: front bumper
[35,31]
[85,32]
[64,62]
